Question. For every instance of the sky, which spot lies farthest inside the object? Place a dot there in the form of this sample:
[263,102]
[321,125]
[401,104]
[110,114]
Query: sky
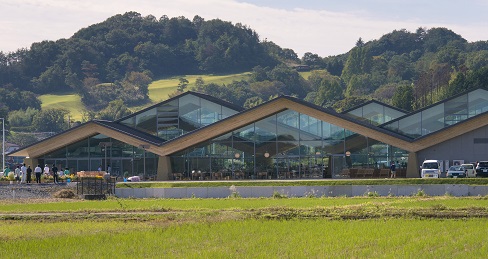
[323,27]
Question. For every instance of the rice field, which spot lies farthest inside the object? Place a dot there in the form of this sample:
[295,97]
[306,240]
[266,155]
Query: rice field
[363,227]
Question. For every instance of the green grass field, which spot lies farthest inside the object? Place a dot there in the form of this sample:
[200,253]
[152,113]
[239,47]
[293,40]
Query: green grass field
[70,102]
[158,91]
[377,227]
[323,182]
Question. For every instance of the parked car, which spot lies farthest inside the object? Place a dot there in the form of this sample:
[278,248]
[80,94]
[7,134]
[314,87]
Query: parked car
[470,170]
[482,168]
[431,169]
[456,171]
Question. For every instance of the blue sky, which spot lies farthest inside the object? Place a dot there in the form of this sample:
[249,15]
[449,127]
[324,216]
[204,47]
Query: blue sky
[448,11]
[327,27]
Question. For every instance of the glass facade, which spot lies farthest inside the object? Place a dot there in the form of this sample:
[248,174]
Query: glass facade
[375,113]
[442,115]
[178,116]
[101,151]
[286,145]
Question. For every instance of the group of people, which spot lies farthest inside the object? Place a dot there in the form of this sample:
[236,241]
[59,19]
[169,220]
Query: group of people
[23,174]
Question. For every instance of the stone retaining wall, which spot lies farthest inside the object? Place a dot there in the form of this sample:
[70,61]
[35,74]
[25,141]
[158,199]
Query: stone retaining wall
[301,191]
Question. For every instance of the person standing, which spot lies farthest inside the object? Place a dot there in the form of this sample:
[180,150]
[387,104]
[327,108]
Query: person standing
[23,171]
[6,171]
[393,169]
[55,173]
[38,172]
[46,170]
[17,174]
[29,174]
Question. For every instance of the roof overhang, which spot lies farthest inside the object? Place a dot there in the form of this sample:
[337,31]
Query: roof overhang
[245,118]
[74,135]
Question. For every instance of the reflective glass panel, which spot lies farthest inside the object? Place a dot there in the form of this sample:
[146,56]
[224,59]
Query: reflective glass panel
[211,112]
[78,149]
[146,121]
[433,119]
[410,126]
[478,102]
[310,128]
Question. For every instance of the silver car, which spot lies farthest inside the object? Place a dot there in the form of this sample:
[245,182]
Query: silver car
[456,171]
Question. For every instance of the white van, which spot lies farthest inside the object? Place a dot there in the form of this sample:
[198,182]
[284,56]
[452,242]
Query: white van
[431,169]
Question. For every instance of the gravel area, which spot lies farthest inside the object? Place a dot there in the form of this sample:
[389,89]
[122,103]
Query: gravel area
[32,191]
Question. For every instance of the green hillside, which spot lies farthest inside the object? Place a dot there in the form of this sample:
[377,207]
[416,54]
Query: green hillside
[70,102]
[158,91]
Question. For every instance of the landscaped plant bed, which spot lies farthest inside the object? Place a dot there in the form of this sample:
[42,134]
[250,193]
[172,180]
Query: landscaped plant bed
[325,182]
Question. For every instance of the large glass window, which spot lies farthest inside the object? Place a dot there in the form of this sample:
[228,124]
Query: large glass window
[176,117]
[477,102]
[146,121]
[411,126]
[375,113]
[441,115]
[432,119]
[310,128]
[78,149]
[282,146]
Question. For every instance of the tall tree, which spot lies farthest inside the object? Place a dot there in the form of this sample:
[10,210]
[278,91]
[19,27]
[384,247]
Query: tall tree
[403,97]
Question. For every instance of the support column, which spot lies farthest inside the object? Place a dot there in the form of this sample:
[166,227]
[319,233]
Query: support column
[164,168]
[412,166]
[31,161]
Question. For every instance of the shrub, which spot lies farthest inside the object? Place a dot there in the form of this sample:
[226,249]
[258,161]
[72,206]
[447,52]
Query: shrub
[234,193]
[420,193]
[372,194]
[65,193]
[278,195]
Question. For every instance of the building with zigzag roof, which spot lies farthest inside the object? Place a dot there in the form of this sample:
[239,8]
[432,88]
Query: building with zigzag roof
[195,136]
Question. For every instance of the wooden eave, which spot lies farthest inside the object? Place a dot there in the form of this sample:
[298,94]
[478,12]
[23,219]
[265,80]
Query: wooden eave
[247,117]
[76,134]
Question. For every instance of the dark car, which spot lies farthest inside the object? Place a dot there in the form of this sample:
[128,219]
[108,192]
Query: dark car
[482,169]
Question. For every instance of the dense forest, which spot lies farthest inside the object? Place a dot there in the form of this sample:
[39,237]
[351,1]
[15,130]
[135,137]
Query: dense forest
[111,64]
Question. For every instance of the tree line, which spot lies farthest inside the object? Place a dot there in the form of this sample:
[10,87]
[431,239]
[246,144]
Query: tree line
[111,64]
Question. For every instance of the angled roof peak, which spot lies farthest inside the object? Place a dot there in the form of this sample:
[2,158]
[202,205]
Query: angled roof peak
[198,94]
[376,102]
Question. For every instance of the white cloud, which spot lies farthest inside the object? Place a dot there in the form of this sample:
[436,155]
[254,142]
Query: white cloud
[303,30]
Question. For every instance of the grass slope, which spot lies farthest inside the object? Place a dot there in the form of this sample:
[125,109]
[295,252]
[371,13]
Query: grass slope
[158,91]
[70,102]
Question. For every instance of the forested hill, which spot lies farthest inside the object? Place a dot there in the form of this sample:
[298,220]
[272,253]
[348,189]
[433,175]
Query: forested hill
[109,51]
[118,58]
